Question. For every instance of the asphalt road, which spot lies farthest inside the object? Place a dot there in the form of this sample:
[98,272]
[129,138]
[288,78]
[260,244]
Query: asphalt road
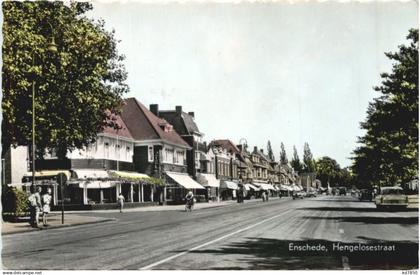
[270,236]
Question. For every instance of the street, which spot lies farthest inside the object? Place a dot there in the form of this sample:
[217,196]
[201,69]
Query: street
[256,235]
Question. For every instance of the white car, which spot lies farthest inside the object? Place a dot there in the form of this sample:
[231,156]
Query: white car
[391,197]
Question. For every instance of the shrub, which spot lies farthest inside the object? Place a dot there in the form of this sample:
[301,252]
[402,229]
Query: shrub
[15,203]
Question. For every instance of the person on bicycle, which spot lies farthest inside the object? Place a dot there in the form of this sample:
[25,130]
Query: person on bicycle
[189,198]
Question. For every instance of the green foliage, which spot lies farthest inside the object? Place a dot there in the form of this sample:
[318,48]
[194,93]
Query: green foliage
[308,161]
[154,181]
[295,162]
[283,156]
[388,152]
[78,88]
[14,202]
[328,171]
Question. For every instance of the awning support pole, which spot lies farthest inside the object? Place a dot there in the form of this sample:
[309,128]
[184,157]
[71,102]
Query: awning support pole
[141,192]
[151,193]
[85,199]
[55,194]
[101,196]
[131,192]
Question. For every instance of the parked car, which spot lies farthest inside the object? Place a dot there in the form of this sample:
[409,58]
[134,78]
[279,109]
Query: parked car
[366,195]
[298,195]
[343,191]
[391,197]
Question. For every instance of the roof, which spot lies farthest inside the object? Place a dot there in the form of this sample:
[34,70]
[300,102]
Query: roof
[226,144]
[144,125]
[122,132]
[262,155]
[184,124]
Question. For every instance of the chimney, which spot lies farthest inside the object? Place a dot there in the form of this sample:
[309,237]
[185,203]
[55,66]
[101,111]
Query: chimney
[154,108]
[178,109]
[239,147]
[191,114]
[255,149]
[262,151]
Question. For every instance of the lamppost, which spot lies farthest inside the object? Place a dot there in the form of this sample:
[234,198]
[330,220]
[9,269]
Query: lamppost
[51,47]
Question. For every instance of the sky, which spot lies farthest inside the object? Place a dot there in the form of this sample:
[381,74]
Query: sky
[285,72]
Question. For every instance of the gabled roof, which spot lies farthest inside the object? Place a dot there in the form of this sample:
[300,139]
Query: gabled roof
[144,125]
[184,124]
[122,132]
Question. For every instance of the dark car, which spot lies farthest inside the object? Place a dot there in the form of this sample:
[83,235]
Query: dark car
[343,191]
[366,195]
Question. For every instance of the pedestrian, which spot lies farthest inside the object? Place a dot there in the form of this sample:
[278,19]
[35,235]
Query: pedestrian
[35,206]
[121,200]
[46,208]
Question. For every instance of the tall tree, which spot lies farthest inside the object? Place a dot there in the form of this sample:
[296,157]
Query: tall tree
[388,152]
[308,161]
[78,88]
[270,151]
[283,156]
[295,162]
[328,171]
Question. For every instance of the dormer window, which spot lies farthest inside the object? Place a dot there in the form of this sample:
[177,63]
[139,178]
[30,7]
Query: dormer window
[165,126]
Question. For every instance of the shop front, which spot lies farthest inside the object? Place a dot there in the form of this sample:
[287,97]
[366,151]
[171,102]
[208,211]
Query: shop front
[211,184]
[228,190]
[265,187]
[89,187]
[178,185]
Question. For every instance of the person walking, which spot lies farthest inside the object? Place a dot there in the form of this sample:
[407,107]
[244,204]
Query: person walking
[35,206]
[46,208]
[121,200]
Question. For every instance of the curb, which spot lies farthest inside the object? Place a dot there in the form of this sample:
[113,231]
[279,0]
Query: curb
[58,226]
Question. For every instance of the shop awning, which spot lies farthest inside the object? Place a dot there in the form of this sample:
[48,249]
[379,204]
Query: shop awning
[127,175]
[91,174]
[253,187]
[209,180]
[48,173]
[264,186]
[247,188]
[229,185]
[184,180]
[97,184]
[284,188]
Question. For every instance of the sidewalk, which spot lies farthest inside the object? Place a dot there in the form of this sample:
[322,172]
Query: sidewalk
[72,218]
[158,208]
[54,221]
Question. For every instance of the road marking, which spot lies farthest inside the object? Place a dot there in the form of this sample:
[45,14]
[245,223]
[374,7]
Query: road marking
[345,262]
[211,242]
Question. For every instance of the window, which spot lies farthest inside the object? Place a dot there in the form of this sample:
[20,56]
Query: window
[150,154]
[127,153]
[176,155]
[106,150]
